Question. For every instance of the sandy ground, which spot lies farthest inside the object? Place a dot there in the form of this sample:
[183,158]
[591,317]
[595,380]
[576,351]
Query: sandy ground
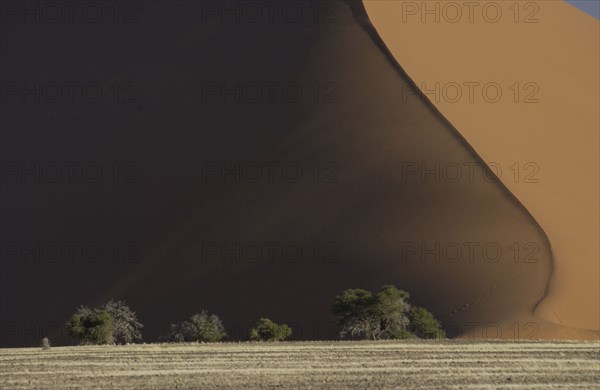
[543,59]
[307,365]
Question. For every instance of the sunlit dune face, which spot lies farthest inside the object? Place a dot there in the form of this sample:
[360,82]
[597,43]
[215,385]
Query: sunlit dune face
[520,82]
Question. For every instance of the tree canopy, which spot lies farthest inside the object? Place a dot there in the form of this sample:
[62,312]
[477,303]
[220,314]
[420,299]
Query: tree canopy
[201,327]
[267,330]
[383,315]
[111,323]
[89,326]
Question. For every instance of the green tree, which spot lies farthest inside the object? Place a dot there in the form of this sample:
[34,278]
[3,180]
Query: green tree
[424,325]
[357,313]
[90,327]
[392,310]
[384,315]
[267,330]
[202,327]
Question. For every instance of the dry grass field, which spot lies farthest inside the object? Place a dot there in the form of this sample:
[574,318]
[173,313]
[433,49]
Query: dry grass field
[414,364]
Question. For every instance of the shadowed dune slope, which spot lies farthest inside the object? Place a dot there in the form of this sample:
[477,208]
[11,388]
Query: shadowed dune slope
[544,60]
[364,222]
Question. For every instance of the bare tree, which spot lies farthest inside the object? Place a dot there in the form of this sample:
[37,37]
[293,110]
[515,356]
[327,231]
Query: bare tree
[126,326]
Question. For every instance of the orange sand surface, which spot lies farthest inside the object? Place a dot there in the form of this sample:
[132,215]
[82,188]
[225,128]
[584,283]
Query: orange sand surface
[550,128]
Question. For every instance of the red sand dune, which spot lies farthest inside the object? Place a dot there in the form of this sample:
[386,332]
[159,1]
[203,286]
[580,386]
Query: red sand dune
[362,206]
[553,123]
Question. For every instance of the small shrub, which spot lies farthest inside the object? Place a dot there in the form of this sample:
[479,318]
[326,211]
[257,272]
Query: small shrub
[202,327]
[45,344]
[174,334]
[424,325]
[267,330]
